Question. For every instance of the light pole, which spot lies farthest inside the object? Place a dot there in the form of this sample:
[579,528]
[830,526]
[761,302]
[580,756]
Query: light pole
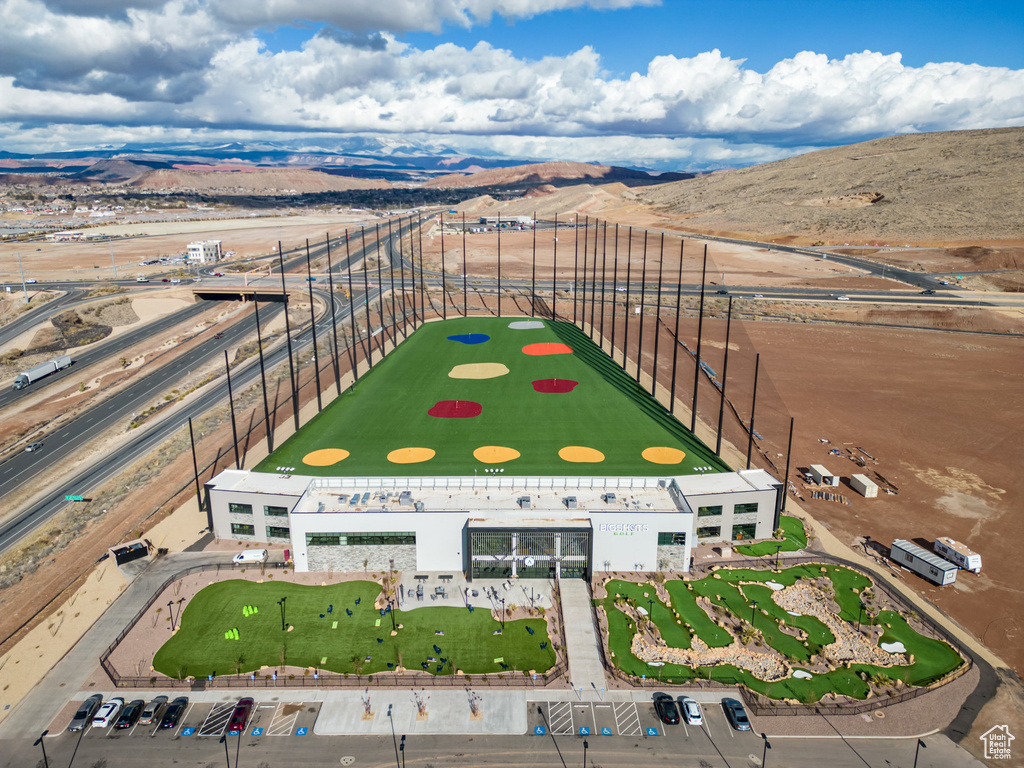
[860,616]
[281,603]
[227,757]
[767,746]
[503,615]
[585,745]
[778,549]
[42,746]
[753,609]
[917,750]
[170,611]
[393,737]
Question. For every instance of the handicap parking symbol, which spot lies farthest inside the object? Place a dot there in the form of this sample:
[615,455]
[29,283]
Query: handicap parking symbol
[652,731]
[301,731]
[233,733]
[187,731]
[257,732]
[606,731]
[539,730]
[584,730]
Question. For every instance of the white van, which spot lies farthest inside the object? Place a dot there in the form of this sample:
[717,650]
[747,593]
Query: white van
[250,556]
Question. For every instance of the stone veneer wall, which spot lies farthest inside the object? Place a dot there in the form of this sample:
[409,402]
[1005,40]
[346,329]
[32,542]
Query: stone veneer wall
[351,558]
[672,557]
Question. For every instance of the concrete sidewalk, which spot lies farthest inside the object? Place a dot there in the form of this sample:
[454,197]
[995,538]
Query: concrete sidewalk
[586,671]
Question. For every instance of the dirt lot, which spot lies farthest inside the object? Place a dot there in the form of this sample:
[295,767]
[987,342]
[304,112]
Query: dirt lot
[133,243]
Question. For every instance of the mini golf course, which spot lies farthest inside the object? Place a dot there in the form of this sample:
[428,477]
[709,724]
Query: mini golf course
[234,627]
[712,617]
[533,397]
[794,538]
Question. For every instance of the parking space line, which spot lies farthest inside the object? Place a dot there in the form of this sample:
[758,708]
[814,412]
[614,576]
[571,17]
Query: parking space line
[216,720]
[281,724]
[580,717]
[627,718]
[560,718]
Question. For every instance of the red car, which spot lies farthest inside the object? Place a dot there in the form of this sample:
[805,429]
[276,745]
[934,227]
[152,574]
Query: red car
[240,716]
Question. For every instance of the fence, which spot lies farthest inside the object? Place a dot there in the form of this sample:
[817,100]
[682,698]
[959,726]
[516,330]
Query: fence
[760,704]
[514,679]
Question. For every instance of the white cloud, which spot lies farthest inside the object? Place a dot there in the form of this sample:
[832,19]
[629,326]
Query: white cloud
[196,67]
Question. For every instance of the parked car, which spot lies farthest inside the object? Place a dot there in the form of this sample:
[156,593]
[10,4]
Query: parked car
[665,706]
[174,712]
[691,711]
[241,714]
[85,712]
[149,714]
[105,715]
[32,447]
[130,714]
[736,714]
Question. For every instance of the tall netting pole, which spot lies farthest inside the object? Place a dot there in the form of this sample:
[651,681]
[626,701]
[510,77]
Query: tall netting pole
[753,405]
[700,328]
[675,333]
[657,319]
[334,322]
[725,381]
[643,308]
[615,289]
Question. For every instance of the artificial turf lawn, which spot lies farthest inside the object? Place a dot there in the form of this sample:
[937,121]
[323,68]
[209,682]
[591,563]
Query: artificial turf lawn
[932,658]
[388,409]
[199,647]
[794,538]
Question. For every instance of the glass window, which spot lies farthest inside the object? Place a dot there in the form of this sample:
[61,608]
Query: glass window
[241,529]
[323,539]
[745,509]
[276,511]
[240,509]
[709,531]
[707,511]
[743,532]
[277,533]
[671,539]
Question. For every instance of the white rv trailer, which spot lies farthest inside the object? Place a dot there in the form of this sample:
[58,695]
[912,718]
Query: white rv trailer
[957,553]
[923,562]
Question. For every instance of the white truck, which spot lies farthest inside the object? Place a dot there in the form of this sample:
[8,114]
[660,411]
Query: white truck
[957,553]
[37,372]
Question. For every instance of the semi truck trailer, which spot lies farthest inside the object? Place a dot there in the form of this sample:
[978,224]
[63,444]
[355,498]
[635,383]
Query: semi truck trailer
[37,372]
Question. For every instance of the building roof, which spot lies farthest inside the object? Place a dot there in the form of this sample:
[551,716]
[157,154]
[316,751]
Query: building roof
[929,557]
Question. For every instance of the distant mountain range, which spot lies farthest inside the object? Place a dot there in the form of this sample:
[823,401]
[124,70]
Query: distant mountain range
[357,156]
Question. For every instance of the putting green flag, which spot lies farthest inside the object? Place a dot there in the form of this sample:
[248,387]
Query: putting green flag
[334,625]
[377,624]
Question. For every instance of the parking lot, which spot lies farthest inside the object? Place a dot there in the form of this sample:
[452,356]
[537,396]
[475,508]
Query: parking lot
[205,719]
[632,719]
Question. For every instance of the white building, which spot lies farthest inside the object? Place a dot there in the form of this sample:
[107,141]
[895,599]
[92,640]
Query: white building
[494,527]
[204,252]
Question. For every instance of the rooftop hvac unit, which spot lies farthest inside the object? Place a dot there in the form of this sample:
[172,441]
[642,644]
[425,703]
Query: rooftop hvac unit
[609,498]
[405,499]
[570,502]
[419,506]
[524,502]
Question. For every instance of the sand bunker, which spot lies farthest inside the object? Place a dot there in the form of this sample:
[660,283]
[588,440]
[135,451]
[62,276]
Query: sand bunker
[554,386]
[325,457]
[547,348]
[774,585]
[579,454]
[495,454]
[411,455]
[455,409]
[523,325]
[663,455]
[803,674]
[478,371]
[896,647]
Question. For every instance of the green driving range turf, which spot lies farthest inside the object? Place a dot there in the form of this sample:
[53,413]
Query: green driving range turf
[563,412]
[332,631]
[932,658]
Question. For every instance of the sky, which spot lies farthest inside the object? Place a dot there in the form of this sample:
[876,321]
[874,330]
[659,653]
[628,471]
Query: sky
[670,85]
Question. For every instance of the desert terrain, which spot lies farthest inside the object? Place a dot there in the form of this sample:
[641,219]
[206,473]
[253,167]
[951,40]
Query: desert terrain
[932,394]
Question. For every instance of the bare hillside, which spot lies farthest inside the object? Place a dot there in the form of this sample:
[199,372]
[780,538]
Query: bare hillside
[935,187]
[546,202]
[256,181]
[537,173]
